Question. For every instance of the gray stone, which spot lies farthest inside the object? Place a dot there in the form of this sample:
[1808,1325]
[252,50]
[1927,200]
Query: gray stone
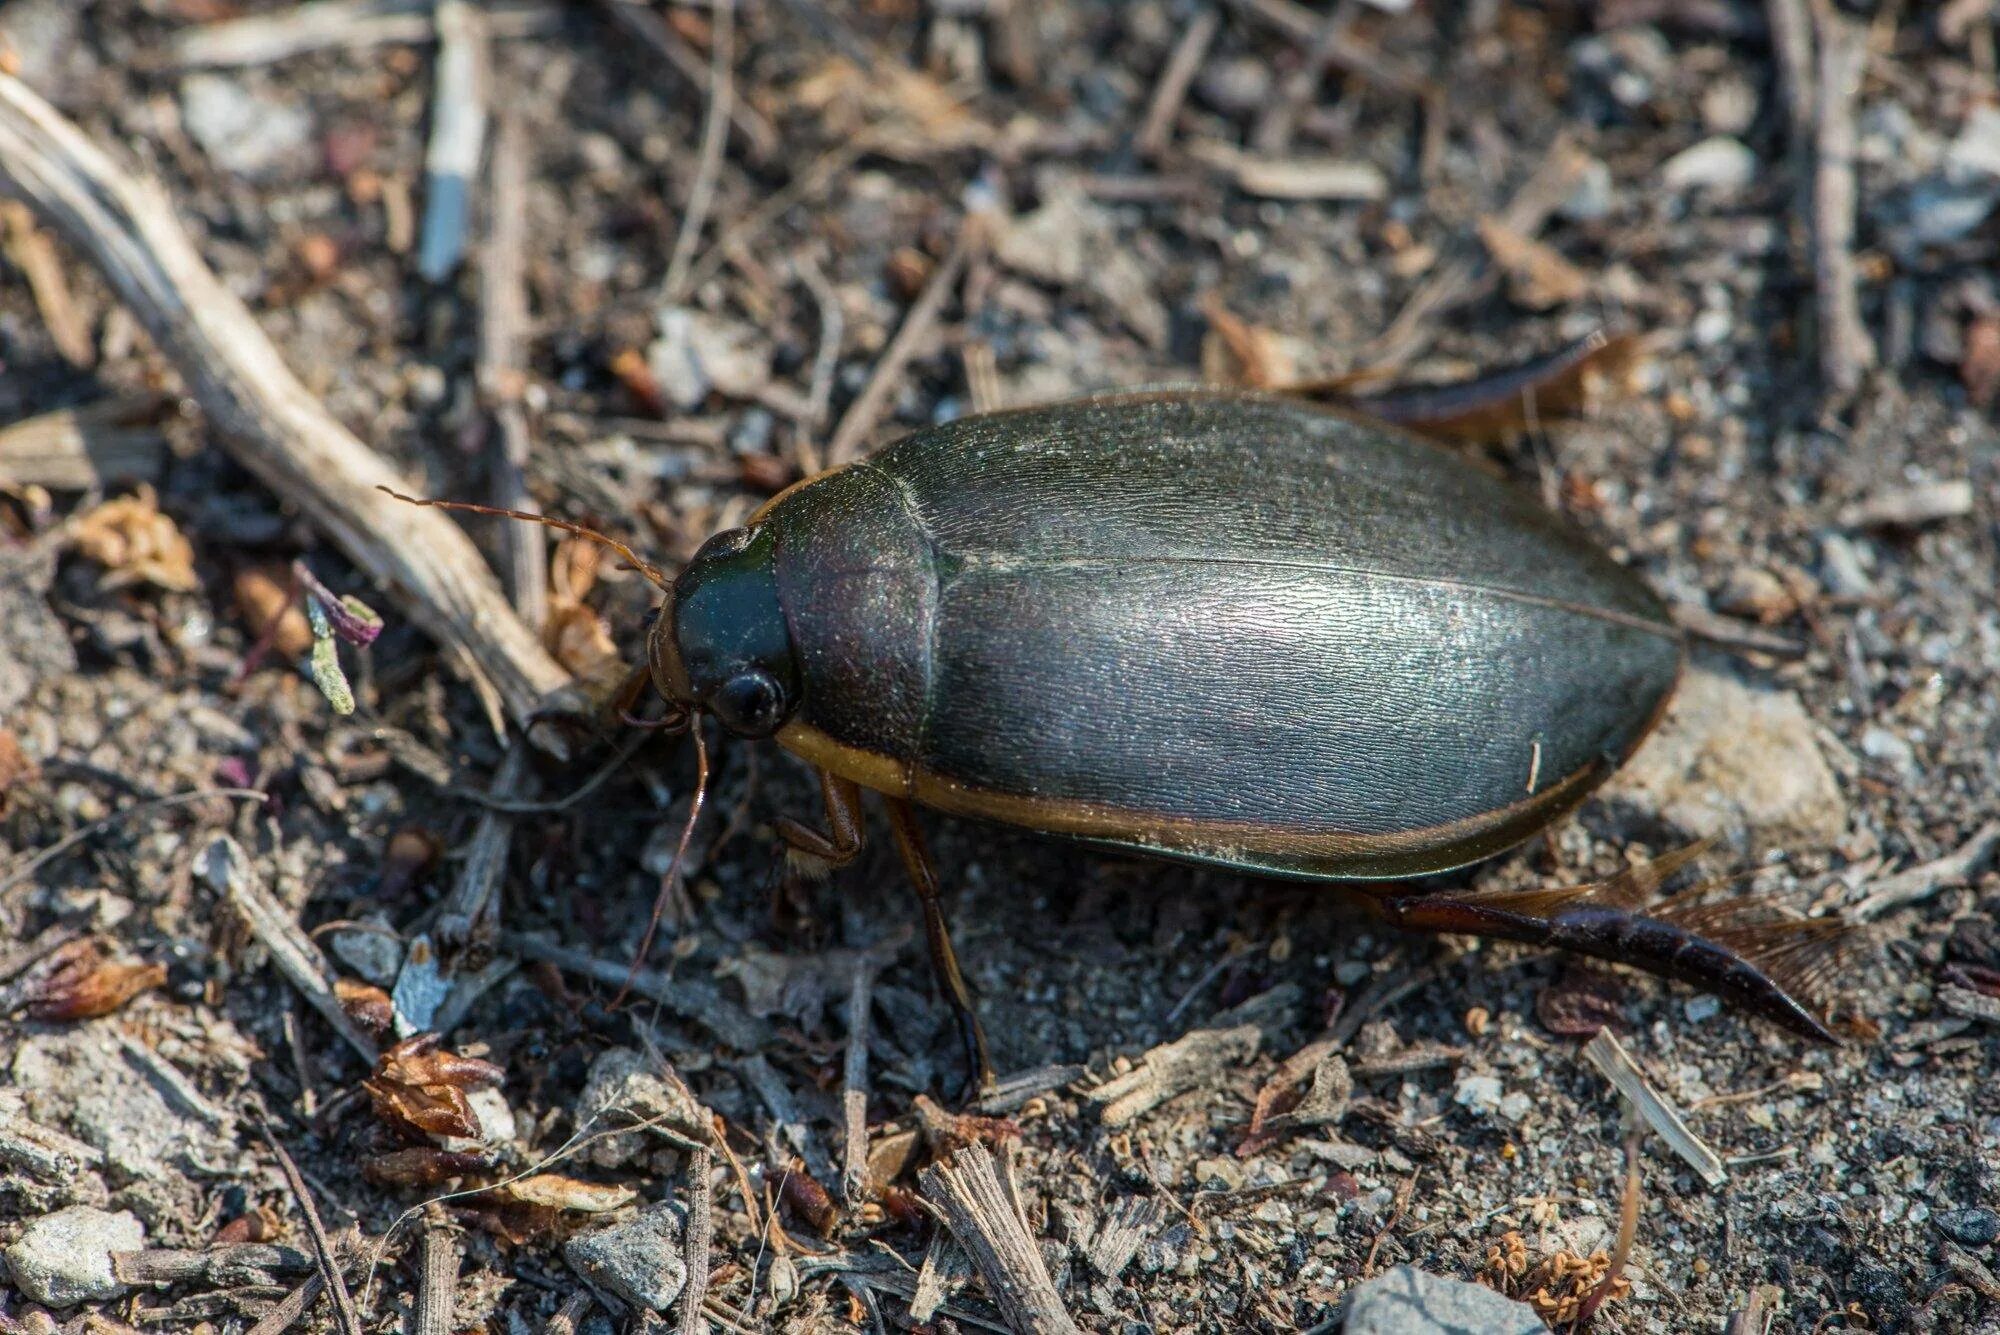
[1407,1301]
[697,352]
[1719,163]
[637,1262]
[1736,762]
[250,133]
[81,1080]
[65,1258]
[625,1088]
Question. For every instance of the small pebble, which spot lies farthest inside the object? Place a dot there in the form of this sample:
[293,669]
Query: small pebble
[637,1262]
[1973,1226]
[1408,1301]
[1719,163]
[64,1258]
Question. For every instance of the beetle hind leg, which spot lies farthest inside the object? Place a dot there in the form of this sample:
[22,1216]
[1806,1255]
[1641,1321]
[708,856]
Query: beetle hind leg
[1745,949]
[817,854]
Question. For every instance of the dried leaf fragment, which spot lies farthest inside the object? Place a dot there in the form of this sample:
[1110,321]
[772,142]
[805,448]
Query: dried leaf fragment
[1538,277]
[421,1085]
[264,599]
[367,1005]
[136,543]
[422,1166]
[555,1192]
[82,980]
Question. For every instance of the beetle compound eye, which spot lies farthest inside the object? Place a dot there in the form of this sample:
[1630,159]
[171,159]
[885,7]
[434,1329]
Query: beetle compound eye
[750,703]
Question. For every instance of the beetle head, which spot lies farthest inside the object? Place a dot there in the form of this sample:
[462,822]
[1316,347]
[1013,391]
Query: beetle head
[720,645]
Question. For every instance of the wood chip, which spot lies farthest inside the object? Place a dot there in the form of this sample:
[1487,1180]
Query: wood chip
[944,1271]
[226,868]
[1911,507]
[1194,1059]
[1915,884]
[1609,1056]
[966,1189]
[1126,1226]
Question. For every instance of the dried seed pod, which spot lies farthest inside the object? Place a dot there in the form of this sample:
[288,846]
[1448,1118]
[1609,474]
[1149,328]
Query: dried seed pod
[422,1086]
[367,1005]
[82,981]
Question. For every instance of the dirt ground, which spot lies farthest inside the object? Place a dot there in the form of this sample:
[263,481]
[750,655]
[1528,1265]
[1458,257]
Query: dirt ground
[666,398]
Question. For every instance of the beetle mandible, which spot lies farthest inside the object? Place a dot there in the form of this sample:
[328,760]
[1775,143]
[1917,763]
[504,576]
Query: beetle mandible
[1225,627]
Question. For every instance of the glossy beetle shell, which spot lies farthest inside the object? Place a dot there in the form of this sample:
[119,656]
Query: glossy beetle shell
[1226,627]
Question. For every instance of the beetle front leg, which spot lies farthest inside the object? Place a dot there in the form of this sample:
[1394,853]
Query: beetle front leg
[817,853]
[944,960]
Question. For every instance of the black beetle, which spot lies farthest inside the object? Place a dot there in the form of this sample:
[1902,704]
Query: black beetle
[1231,628]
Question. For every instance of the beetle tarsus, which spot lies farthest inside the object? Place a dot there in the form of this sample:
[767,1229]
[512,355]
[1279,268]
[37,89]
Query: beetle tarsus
[1743,949]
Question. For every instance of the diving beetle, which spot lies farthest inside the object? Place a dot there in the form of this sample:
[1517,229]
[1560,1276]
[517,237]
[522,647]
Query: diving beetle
[1232,628]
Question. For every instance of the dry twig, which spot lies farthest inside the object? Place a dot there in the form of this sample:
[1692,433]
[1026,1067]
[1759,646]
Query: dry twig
[260,39]
[1172,89]
[854,1086]
[1845,350]
[258,408]
[29,248]
[966,1189]
[1609,1056]
[1916,884]
[714,138]
[503,336]
[699,1240]
[861,416]
[639,20]
[226,868]
[329,1264]
[437,1282]
[1174,1068]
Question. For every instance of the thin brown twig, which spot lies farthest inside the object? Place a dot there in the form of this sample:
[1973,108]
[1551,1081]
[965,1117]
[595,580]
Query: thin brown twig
[700,1239]
[329,1265]
[1628,1234]
[28,246]
[759,136]
[1389,1225]
[714,138]
[289,1309]
[1845,349]
[1170,92]
[860,419]
[1273,132]
[501,375]
[806,185]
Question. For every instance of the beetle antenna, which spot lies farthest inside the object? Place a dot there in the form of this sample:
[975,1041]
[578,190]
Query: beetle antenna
[652,572]
[674,867]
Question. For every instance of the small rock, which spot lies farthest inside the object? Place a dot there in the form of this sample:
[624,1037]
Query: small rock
[249,133]
[697,352]
[1051,244]
[1703,1007]
[1720,163]
[1408,1301]
[1973,1226]
[1752,591]
[624,1088]
[1842,568]
[376,956]
[1734,761]
[638,1262]
[1878,743]
[1939,210]
[1480,1093]
[1729,105]
[65,1258]
[1592,196]
[1234,84]
[1976,150]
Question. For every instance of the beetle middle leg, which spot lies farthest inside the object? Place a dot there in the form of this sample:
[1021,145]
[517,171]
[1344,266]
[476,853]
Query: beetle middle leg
[944,960]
